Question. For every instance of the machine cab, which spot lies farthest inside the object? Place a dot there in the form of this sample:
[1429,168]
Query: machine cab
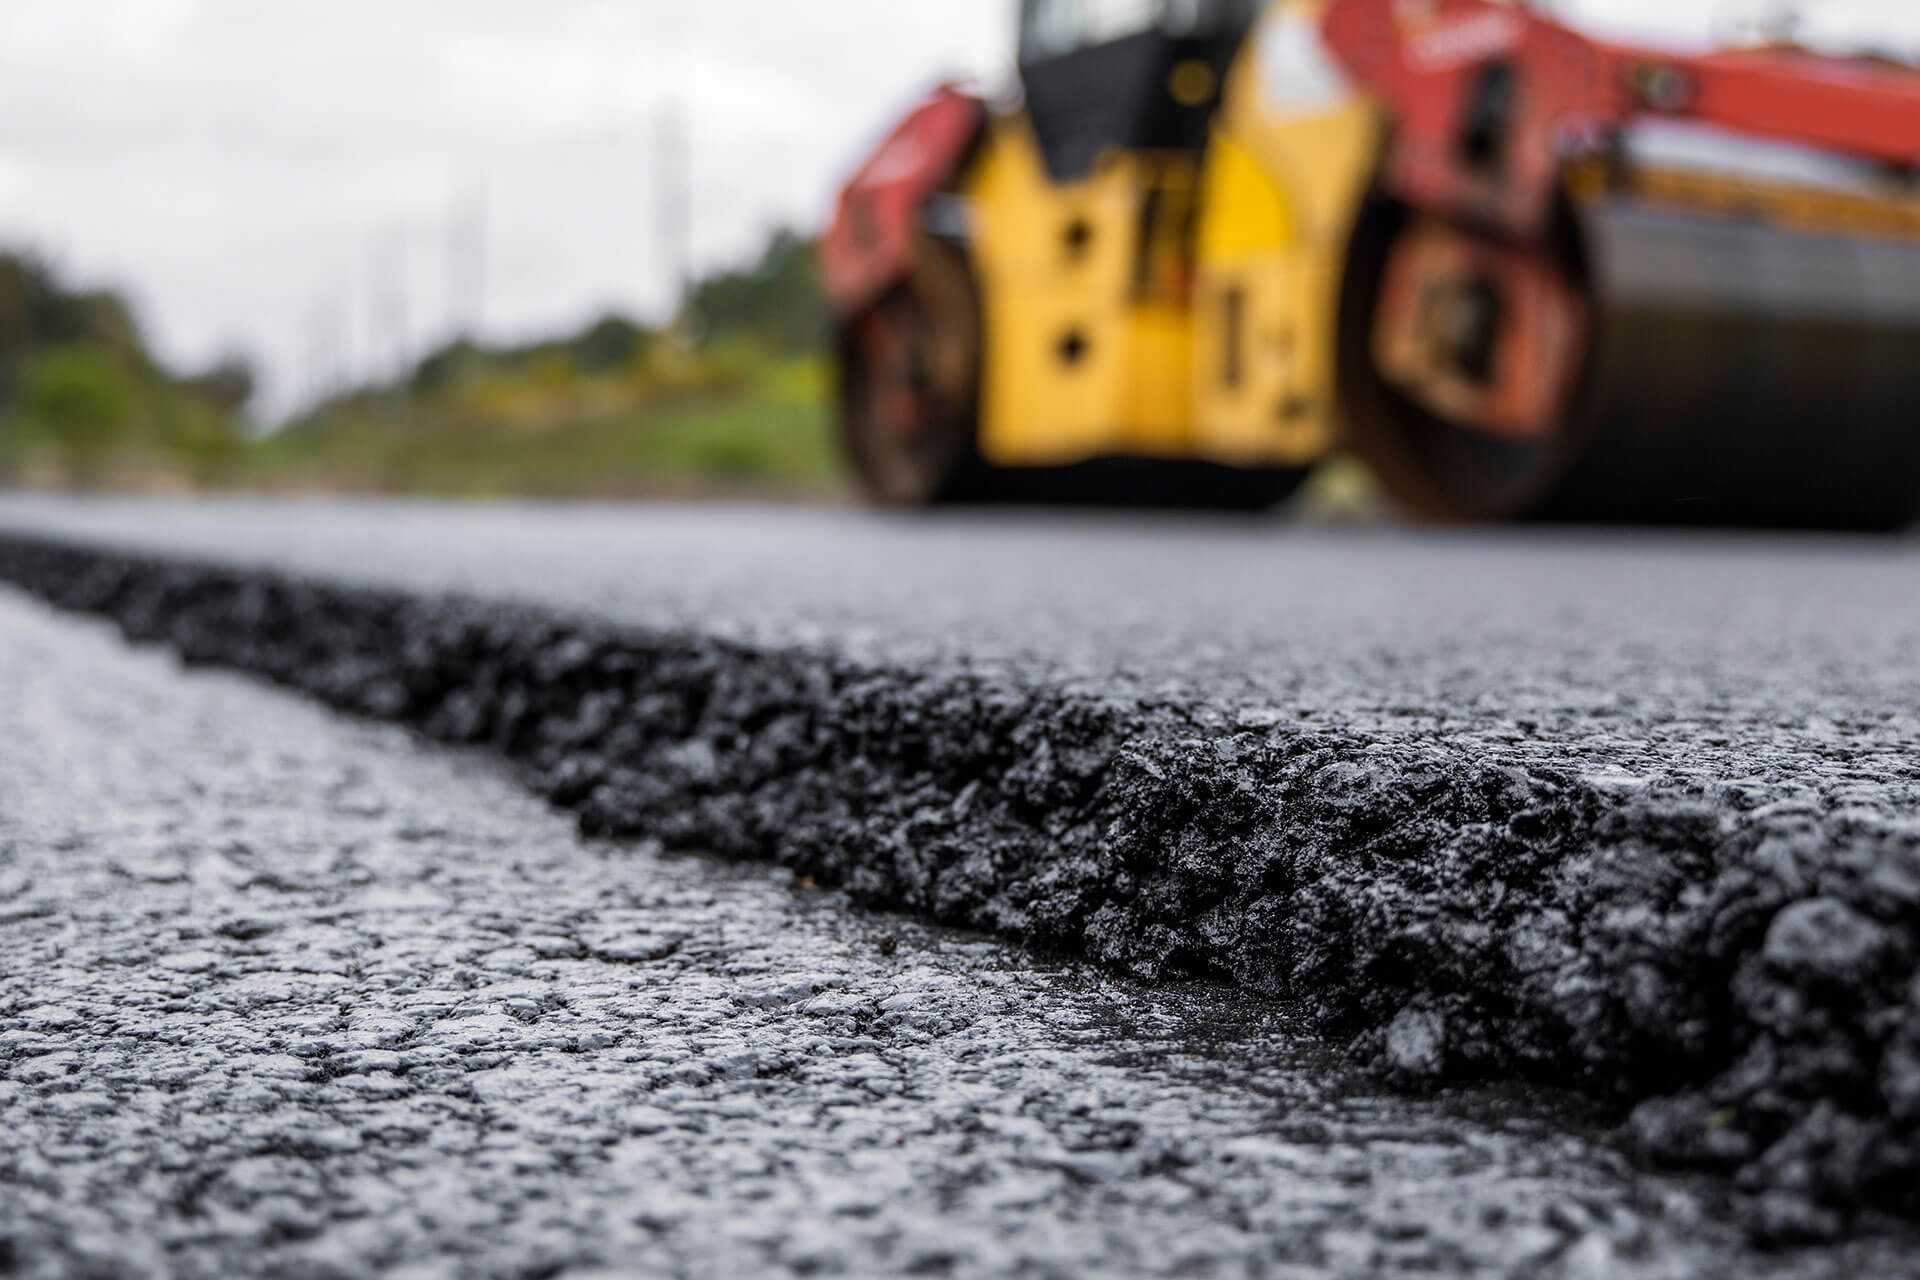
[1128,75]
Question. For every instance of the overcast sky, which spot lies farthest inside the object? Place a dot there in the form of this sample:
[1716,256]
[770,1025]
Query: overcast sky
[277,176]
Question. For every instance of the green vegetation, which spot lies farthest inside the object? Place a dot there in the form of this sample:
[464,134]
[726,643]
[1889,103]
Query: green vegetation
[776,302]
[734,398]
[83,403]
[729,418]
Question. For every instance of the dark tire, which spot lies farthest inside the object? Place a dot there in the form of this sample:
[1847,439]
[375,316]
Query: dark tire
[1431,466]
[910,386]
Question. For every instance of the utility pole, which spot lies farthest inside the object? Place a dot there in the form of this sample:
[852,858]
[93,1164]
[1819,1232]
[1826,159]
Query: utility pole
[673,198]
[326,356]
[387,310]
[339,325]
[466,262]
[313,389]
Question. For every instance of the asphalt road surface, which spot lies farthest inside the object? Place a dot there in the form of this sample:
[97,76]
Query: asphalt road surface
[1720,658]
[1628,814]
[290,994]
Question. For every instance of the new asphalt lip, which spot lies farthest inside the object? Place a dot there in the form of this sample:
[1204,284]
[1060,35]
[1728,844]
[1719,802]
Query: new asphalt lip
[293,994]
[1717,933]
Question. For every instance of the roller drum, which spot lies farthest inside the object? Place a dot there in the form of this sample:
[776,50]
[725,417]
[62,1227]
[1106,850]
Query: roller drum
[1739,373]
[1745,374]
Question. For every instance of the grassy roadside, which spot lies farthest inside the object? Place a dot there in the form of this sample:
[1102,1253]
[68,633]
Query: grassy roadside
[735,421]
[732,398]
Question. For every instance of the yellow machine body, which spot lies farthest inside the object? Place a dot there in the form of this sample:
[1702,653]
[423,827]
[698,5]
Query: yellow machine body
[1253,244]
[1169,304]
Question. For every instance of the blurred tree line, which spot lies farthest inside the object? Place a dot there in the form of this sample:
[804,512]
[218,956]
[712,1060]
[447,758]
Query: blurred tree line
[771,307]
[776,301]
[83,401]
[733,394]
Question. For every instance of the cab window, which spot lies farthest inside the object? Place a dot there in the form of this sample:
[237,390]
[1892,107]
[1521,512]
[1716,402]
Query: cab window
[1052,28]
[1102,75]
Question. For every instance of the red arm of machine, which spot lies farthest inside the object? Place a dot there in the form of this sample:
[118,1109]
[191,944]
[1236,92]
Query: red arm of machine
[868,247]
[1488,99]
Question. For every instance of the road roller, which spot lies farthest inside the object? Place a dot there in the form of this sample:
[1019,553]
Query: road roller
[1520,271]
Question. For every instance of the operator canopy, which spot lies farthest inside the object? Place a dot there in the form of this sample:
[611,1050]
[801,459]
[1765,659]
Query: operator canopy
[1125,74]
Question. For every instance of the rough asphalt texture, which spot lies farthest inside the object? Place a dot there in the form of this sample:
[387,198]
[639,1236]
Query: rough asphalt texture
[1632,814]
[290,995]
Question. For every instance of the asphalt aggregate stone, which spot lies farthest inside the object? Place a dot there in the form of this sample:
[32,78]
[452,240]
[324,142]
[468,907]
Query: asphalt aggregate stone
[1624,816]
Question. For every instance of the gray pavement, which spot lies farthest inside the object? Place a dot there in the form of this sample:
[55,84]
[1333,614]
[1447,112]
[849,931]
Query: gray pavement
[1783,662]
[1638,814]
[1079,591]
[292,995]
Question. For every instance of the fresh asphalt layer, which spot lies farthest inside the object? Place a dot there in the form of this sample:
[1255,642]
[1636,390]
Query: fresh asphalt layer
[292,994]
[1632,813]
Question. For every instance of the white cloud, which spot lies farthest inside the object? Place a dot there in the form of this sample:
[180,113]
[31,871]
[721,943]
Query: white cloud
[238,164]
[244,168]
[13,180]
[1844,22]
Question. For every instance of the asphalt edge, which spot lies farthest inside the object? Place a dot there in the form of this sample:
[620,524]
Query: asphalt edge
[1457,920]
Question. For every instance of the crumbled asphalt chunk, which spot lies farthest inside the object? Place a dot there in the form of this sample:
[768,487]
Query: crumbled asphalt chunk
[1416,1046]
[1732,957]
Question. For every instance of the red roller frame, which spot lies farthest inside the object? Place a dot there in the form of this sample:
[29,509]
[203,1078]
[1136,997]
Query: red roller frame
[868,248]
[1426,58]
